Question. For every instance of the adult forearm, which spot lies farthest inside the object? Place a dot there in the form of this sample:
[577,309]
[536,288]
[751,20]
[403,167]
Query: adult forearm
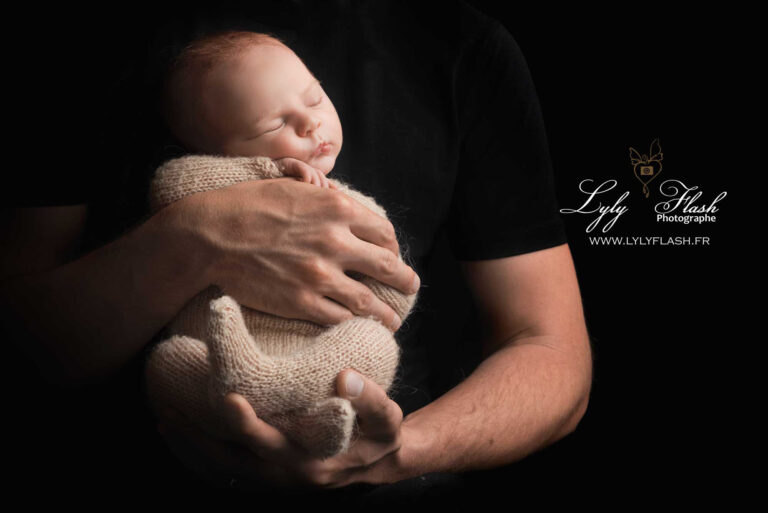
[520,399]
[85,319]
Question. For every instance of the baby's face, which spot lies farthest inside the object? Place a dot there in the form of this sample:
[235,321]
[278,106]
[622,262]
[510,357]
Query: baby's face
[268,103]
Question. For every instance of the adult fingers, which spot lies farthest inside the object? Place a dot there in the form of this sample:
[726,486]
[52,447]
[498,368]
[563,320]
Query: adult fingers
[273,457]
[382,265]
[264,440]
[324,311]
[220,463]
[368,226]
[379,416]
[361,301]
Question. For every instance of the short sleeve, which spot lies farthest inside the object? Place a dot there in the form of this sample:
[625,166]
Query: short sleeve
[504,200]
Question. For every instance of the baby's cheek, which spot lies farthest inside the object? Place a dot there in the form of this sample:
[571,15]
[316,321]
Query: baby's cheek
[244,148]
[282,147]
[339,134]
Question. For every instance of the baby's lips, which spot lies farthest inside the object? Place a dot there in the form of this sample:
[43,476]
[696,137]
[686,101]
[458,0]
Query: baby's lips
[322,149]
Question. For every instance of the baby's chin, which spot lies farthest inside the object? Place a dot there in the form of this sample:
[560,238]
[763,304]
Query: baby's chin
[324,163]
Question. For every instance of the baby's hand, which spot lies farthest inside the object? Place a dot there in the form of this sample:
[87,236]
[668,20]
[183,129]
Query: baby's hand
[304,172]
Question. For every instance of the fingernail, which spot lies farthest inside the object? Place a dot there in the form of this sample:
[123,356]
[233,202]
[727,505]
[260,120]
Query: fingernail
[397,322]
[354,384]
[416,284]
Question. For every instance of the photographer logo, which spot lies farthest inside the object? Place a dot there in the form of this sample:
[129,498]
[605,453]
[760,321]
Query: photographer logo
[678,203]
[648,167]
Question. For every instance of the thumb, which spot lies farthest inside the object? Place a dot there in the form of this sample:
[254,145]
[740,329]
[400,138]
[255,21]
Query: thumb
[378,414]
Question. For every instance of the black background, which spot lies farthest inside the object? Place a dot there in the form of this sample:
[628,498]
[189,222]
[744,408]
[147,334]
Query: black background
[661,319]
[663,411]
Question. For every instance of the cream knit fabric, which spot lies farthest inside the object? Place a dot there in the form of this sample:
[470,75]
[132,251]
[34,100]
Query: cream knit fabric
[285,368]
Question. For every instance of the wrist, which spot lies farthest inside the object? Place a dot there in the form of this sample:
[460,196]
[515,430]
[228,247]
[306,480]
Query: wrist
[416,455]
[190,254]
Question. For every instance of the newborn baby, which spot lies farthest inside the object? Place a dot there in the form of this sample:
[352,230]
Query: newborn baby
[250,109]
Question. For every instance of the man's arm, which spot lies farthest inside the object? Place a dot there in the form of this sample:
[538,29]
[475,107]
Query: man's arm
[81,320]
[531,390]
[81,317]
[532,387]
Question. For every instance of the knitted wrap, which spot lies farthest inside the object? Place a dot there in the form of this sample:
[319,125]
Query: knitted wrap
[285,368]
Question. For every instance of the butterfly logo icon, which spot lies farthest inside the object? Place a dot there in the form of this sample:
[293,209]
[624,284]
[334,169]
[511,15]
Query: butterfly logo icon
[647,168]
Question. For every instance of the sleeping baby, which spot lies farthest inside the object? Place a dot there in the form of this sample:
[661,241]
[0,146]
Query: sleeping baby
[250,109]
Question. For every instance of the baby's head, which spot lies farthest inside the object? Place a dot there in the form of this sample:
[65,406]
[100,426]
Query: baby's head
[241,93]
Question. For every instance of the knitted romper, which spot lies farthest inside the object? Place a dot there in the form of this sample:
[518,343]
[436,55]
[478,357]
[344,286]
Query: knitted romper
[285,368]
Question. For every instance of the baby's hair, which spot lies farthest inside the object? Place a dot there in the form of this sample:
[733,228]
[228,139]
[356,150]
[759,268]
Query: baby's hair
[200,56]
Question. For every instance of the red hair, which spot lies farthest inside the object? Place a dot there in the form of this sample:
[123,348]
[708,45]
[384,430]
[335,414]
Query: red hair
[199,57]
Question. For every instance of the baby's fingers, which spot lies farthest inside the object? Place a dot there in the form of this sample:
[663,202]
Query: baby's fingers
[304,172]
[318,178]
[296,168]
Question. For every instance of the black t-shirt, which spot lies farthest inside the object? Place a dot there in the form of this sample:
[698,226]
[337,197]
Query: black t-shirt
[441,122]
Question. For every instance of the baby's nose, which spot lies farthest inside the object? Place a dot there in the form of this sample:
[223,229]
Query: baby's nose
[311,125]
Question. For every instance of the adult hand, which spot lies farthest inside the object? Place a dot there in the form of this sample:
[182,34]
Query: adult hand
[282,246]
[261,455]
